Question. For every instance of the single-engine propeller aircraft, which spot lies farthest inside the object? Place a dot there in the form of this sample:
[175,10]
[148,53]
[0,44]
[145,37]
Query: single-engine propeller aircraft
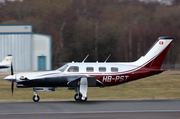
[6,62]
[80,76]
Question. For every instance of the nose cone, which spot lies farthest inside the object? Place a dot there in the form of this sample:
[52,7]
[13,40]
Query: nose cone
[10,78]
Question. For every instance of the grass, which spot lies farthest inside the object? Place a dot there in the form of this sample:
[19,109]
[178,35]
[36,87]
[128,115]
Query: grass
[162,86]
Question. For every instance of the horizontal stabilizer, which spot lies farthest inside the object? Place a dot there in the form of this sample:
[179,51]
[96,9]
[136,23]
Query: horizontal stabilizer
[157,71]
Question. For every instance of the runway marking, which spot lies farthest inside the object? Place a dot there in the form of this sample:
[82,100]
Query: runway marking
[94,112]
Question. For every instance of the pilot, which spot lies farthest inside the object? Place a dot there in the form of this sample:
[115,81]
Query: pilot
[71,69]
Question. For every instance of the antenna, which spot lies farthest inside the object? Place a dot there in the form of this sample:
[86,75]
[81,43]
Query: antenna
[107,58]
[85,58]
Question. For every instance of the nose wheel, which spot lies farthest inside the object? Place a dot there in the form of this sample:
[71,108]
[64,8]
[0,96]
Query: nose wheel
[36,98]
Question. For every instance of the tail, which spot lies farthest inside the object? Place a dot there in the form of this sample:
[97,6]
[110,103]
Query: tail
[156,54]
[6,62]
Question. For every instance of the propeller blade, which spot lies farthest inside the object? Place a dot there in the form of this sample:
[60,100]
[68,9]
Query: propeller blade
[12,72]
[12,83]
[12,87]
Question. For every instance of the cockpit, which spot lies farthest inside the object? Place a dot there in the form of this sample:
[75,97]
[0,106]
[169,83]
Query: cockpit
[70,69]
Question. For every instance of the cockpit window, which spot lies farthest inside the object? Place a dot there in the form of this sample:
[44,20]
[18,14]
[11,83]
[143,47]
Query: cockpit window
[63,68]
[73,69]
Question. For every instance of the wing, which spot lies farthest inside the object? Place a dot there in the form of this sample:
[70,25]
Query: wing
[76,81]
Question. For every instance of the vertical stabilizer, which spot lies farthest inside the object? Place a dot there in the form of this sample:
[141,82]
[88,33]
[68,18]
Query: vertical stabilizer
[156,54]
[6,62]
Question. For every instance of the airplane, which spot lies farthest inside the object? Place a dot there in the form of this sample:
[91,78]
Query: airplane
[6,63]
[80,76]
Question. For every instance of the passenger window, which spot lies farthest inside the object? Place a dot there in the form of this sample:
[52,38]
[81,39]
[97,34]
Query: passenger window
[102,69]
[114,69]
[73,69]
[89,69]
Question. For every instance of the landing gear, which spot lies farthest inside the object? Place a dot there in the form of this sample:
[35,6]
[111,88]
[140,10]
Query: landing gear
[76,97]
[81,90]
[36,98]
[79,97]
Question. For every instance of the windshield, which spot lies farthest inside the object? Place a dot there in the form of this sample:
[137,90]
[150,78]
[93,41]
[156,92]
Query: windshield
[63,68]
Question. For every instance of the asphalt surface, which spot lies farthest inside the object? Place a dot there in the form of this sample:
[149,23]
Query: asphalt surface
[106,109]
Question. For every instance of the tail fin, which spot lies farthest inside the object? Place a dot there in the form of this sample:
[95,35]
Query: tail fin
[6,62]
[156,54]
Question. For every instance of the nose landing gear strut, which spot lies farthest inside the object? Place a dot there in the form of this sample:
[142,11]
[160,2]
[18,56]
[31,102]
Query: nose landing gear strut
[36,98]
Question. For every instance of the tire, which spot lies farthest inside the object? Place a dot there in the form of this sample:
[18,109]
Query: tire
[79,98]
[36,99]
[83,100]
[76,97]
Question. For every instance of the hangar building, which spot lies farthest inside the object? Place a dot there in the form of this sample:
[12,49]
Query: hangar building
[30,51]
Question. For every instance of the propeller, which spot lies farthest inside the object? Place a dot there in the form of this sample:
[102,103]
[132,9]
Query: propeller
[12,87]
[12,72]
[11,78]
[12,84]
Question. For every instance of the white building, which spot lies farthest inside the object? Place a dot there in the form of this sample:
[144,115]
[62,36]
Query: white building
[31,51]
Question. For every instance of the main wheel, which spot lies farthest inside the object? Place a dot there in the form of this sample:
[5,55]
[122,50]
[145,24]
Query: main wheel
[83,99]
[36,98]
[77,97]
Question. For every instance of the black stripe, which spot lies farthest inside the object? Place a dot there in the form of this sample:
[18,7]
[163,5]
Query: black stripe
[166,37]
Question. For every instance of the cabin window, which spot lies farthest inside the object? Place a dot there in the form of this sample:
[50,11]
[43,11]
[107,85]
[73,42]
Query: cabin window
[102,69]
[114,69]
[73,69]
[89,69]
